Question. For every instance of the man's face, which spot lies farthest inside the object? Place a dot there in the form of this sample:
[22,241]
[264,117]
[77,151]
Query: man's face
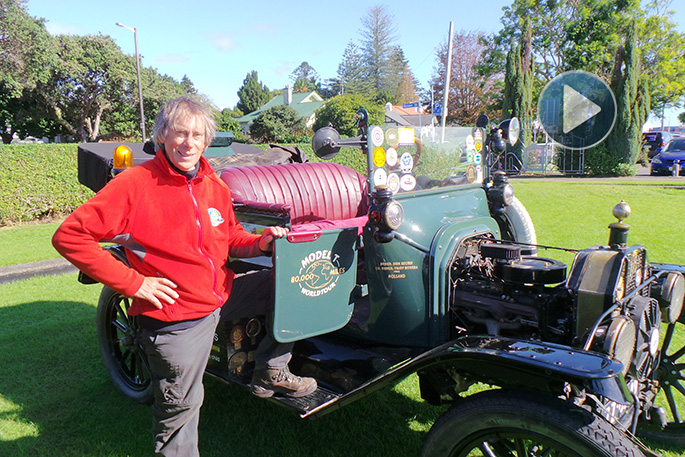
[185,142]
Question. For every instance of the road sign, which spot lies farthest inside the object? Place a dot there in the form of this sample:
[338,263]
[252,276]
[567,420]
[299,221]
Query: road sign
[411,105]
[437,109]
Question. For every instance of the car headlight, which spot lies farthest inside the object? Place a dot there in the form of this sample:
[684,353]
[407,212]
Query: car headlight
[394,215]
[656,159]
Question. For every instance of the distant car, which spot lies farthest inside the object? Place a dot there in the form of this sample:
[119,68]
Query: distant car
[662,163]
[653,142]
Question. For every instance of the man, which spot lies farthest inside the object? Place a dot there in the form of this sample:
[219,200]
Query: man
[176,220]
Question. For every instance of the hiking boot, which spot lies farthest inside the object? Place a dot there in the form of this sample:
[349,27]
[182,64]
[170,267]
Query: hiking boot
[267,382]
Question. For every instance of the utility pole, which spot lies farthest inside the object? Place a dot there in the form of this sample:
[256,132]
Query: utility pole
[448,76]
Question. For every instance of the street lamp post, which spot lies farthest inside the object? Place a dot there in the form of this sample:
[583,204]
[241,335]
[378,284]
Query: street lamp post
[140,86]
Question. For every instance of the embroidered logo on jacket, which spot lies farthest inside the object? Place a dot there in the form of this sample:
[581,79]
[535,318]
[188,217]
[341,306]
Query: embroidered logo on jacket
[215,217]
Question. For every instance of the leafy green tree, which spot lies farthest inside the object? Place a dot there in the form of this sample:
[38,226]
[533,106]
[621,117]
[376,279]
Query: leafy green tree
[26,57]
[661,51]
[280,124]
[340,112]
[227,123]
[91,77]
[252,94]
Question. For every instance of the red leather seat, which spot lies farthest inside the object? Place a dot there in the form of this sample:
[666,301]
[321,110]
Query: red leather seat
[309,192]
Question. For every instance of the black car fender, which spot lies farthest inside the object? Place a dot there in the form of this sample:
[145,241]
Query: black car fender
[528,364]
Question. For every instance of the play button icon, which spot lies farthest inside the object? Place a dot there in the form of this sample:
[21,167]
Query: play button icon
[577,109]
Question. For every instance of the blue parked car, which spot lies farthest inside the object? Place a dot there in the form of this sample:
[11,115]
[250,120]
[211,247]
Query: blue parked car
[662,163]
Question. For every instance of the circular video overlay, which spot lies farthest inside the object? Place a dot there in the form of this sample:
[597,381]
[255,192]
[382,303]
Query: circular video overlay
[577,109]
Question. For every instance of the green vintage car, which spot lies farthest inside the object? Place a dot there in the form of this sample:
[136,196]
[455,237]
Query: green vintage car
[428,264]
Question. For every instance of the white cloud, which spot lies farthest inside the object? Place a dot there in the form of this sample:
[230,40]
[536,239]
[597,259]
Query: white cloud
[223,42]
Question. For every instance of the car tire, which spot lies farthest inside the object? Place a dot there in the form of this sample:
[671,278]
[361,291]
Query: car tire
[122,355]
[516,225]
[500,422]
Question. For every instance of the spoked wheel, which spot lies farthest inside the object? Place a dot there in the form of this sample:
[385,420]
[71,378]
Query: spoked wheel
[502,423]
[671,376]
[118,337]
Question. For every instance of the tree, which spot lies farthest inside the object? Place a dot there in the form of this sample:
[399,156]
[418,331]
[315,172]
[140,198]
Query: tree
[340,112]
[252,94]
[351,76]
[280,124]
[378,35]
[467,86]
[26,57]
[305,78]
[188,85]
[661,49]
[91,76]
[518,84]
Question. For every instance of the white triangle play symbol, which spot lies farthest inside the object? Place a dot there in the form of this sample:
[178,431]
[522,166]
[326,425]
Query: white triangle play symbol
[577,108]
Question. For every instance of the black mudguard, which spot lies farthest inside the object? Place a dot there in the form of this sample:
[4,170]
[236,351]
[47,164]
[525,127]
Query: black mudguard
[505,362]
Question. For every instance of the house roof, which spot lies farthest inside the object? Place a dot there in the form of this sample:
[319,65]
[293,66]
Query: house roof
[303,103]
[408,116]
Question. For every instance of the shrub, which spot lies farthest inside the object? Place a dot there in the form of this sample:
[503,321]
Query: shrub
[39,181]
[280,124]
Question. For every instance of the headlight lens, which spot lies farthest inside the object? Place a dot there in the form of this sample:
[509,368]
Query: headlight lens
[394,215]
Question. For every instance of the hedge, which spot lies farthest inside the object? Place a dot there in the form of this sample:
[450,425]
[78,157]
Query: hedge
[39,181]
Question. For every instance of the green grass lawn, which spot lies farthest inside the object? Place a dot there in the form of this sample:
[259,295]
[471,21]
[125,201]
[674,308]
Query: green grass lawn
[57,400]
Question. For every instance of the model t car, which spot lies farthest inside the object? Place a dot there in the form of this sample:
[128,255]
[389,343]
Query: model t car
[428,264]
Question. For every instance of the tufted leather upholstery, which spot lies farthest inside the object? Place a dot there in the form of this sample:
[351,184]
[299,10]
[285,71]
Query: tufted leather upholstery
[309,192]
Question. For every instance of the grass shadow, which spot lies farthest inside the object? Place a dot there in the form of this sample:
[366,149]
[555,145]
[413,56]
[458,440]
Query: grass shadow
[57,399]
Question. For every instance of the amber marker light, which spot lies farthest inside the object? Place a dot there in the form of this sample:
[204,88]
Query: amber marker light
[122,158]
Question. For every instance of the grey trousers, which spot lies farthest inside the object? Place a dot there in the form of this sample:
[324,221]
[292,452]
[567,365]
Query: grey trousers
[178,360]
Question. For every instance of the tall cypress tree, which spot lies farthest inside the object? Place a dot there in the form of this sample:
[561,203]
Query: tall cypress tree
[518,84]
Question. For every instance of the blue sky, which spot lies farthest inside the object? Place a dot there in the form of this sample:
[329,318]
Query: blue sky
[216,43]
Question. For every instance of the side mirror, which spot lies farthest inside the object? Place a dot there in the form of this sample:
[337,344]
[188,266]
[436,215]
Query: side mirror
[482,121]
[324,143]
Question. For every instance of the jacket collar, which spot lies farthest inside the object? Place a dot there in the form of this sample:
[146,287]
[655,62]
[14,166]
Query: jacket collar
[204,169]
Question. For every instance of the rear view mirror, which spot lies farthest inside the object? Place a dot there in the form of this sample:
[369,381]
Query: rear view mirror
[324,143]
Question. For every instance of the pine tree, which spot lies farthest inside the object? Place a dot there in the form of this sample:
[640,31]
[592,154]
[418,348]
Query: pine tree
[252,94]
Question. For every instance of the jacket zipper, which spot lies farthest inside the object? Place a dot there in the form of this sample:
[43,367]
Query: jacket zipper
[199,244]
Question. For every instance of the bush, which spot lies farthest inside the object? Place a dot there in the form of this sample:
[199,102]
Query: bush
[39,181]
[280,124]
[340,112]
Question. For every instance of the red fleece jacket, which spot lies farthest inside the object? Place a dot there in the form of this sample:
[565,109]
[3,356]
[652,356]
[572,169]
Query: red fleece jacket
[170,227]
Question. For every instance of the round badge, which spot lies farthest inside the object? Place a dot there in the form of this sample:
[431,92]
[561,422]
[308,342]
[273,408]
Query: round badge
[469,156]
[377,136]
[380,178]
[407,182]
[237,334]
[392,137]
[379,157]
[391,157]
[469,142]
[406,162]
[478,134]
[577,109]
[393,182]
[477,158]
